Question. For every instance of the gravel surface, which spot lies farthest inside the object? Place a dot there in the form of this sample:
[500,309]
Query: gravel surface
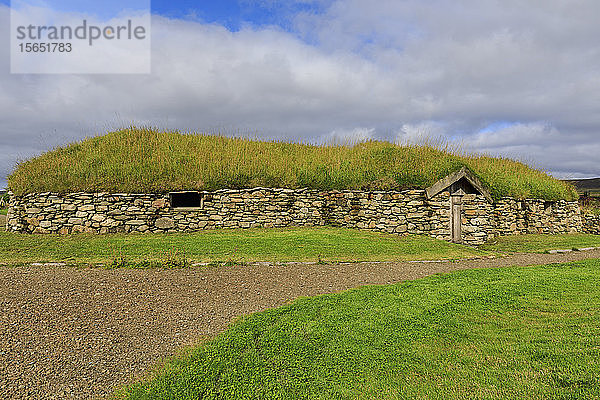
[68,333]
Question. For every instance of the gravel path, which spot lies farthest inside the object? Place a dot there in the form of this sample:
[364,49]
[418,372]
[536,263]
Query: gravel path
[80,333]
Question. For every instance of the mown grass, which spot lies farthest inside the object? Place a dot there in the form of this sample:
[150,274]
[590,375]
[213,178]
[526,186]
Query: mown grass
[510,333]
[274,245]
[540,243]
[146,160]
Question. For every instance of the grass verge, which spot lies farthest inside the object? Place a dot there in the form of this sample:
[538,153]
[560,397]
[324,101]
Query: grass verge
[239,245]
[540,243]
[510,333]
[3,211]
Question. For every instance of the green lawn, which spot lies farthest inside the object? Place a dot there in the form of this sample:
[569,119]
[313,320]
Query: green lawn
[274,245]
[293,244]
[510,333]
[541,243]
[3,211]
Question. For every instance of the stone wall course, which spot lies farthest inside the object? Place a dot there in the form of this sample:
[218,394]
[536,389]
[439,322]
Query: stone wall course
[591,224]
[399,212]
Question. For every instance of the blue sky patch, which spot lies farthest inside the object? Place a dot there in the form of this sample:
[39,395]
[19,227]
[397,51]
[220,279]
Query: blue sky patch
[104,10]
[497,126]
[232,14]
[235,14]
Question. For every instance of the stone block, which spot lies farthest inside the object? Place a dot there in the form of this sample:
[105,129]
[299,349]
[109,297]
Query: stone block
[164,223]
[32,221]
[159,203]
[414,215]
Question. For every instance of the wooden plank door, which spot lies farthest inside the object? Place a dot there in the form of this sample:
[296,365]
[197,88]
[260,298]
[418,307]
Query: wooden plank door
[456,218]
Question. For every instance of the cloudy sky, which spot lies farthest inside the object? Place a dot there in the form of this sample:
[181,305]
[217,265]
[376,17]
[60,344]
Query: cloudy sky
[515,78]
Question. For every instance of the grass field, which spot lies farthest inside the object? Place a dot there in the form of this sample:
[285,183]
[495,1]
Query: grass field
[510,333]
[540,243]
[292,244]
[3,211]
[324,244]
[144,160]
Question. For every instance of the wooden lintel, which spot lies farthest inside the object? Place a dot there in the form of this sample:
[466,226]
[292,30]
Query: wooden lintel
[464,172]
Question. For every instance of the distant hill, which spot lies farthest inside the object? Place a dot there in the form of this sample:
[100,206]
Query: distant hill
[585,184]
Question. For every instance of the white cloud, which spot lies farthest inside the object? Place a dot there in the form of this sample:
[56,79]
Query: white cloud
[515,135]
[390,70]
[352,136]
[421,133]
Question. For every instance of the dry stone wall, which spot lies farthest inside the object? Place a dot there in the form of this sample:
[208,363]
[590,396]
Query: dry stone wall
[399,212]
[517,217]
[590,224]
[393,212]
[477,219]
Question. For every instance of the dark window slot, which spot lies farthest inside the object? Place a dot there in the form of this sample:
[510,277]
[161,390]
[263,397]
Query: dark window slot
[186,200]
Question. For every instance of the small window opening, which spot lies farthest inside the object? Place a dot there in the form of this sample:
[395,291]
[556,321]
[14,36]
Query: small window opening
[186,199]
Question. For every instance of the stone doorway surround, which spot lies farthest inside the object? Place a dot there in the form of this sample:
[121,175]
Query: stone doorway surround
[458,184]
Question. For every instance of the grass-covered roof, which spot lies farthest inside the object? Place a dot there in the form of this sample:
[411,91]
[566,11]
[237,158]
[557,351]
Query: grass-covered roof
[139,160]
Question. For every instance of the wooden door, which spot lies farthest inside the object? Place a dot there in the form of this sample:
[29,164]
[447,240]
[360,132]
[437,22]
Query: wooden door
[456,218]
